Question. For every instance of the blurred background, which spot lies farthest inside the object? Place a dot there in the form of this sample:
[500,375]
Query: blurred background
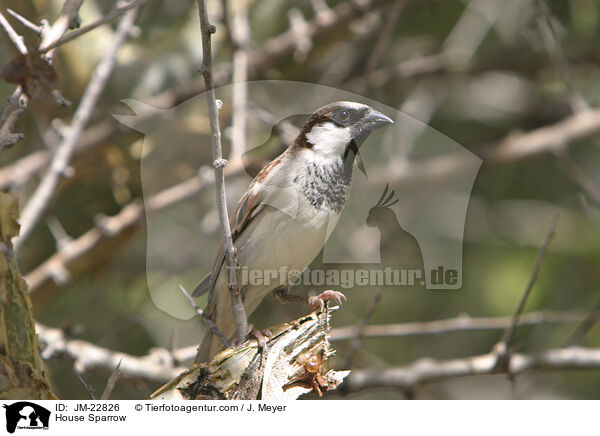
[481,73]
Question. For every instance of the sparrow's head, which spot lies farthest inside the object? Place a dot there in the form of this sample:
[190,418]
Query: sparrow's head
[339,129]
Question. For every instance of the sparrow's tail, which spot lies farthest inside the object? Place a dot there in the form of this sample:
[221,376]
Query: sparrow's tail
[223,319]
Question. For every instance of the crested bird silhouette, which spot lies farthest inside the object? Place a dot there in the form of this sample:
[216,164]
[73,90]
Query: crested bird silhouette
[397,247]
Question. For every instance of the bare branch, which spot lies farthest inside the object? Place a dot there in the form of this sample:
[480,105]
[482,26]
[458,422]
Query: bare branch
[18,101]
[86,386]
[276,49]
[111,383]
[209,322]
[156,366]
[547,31]
[37,29]
[15,38]
[384,37]
[578,176]
[41,197]
[514,147]
[68,16]
[19,173]
[429,370]
[504,345]
[99,243]
[464,323]
[360,328]
[111,16]
[239,313]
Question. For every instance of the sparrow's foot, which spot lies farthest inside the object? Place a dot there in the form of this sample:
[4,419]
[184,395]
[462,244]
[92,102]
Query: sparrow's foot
[283,295]
[260,335]
[318,302]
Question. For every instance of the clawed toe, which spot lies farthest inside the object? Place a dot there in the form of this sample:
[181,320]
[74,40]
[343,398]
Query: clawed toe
[261,336]
[318,302]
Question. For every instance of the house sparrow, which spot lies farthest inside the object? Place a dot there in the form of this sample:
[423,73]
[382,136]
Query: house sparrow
[289,210]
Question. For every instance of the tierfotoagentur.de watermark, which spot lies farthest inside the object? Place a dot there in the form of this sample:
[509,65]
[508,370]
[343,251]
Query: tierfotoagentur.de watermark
[344,278]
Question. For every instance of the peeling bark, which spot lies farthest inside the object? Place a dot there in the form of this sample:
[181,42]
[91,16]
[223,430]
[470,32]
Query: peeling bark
[292,363]
[21,371]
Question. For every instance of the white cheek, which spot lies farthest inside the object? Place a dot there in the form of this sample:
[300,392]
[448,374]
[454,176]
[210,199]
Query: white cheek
[329,139]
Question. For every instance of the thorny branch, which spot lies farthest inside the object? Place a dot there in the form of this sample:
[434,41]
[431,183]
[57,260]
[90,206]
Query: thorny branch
[237,305]
[111,16]
[276,49]
[17,103]
[61,159]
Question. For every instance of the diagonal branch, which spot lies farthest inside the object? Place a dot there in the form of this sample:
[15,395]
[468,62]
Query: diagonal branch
[509,333]
[99,22]
[42,195]
[15,38]
[502,348]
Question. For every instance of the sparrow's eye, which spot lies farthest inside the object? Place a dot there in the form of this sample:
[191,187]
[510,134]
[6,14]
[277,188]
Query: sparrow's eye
[344,116]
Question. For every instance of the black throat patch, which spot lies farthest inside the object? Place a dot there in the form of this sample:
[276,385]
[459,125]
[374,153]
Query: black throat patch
[326,186]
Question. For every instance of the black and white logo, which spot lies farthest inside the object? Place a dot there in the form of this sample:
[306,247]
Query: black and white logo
[26,415]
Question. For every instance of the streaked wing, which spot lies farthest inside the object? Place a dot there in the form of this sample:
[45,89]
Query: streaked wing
[248,207]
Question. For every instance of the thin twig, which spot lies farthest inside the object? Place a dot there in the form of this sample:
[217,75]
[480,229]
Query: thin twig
[239,313]
[209,322]
[384,37]
[577,336]
[68,15]
[43,193]
[556,53]
[104,20]
[503,347]
[111,383]
[37,29]
[15,38]
[86,386]
[360,329]
[586,184]
[17,103]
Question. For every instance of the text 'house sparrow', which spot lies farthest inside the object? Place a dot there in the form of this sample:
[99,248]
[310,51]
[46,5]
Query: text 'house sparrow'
[291,207]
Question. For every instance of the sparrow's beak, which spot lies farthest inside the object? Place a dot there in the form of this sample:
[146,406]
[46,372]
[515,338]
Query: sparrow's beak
[374,120]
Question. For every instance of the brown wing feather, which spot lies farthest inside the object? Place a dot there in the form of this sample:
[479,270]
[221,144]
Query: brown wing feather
[247,208]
